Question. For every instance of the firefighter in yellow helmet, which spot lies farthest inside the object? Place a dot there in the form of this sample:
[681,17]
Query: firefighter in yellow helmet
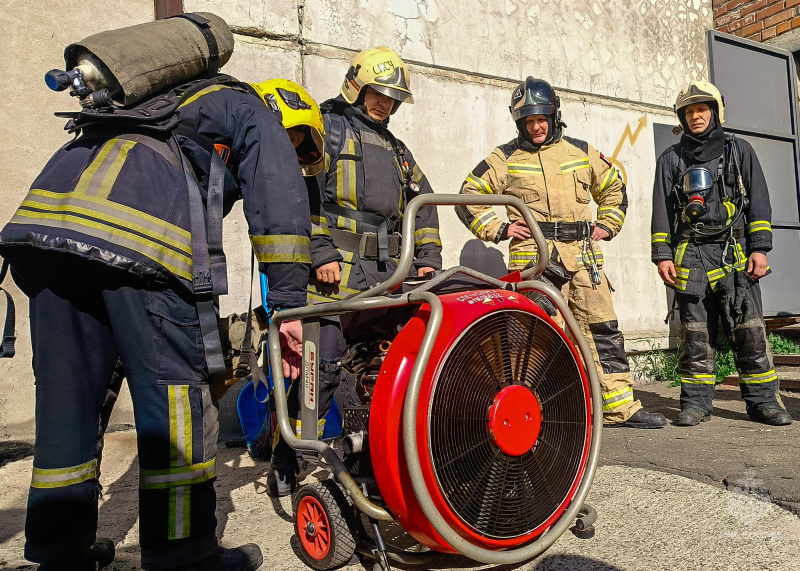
[558,177]
[368,179]
[711,231]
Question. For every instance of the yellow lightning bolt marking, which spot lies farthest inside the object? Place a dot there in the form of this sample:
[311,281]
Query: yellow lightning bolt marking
[631,136]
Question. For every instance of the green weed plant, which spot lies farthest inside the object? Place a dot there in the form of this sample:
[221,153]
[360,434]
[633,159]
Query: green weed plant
[662,366]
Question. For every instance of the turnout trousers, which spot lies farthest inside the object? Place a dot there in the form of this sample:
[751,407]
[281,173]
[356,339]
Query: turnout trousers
[594,312]
[83,319]
[697,365]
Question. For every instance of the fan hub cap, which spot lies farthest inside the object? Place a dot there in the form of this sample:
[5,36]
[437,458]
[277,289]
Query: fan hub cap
[515,420]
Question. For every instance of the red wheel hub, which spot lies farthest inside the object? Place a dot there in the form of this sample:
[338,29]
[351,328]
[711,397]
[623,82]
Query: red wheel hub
[515,420]
[313,528]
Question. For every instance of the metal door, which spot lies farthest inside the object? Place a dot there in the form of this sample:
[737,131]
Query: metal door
[759,84]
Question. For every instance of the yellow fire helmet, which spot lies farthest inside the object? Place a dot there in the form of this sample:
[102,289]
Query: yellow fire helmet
[383,70]
[300,113]
[700,92]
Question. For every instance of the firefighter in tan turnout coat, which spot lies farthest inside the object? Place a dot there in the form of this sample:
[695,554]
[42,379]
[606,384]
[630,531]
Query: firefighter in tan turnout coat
[557,177]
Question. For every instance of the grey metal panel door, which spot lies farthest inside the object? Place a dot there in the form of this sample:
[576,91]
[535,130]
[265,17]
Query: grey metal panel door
[759,84]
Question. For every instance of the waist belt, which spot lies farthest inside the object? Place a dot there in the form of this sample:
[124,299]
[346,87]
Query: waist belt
[564,231]
[366,244]
[382,226]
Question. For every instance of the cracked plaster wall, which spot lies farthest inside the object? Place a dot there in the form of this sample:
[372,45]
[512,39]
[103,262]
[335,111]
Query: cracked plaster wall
[615,60]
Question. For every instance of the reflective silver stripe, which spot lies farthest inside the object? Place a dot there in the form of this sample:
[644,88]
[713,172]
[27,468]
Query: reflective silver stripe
[62,477]
[117,214]
[283,248]
[174,261]
[759,378]
[617,398]
[180,476]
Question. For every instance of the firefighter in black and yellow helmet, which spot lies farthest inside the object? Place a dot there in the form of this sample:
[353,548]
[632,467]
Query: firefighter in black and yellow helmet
[558,177]
[711,231]
[368,179]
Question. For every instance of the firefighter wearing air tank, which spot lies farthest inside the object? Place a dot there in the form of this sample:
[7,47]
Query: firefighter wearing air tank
[711,231]
[557,177]
[106,245]
[369,177]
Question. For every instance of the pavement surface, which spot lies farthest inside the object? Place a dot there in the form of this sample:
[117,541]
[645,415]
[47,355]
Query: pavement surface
[710,497]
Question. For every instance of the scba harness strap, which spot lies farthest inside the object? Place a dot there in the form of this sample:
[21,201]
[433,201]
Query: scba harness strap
[7,349]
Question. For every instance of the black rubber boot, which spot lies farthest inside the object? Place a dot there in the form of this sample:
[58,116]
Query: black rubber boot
[100,554]
[771,414]
[243,558]
[692,416]
[643,419]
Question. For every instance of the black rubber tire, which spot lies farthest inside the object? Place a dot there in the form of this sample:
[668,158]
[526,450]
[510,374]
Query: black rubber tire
[340,517]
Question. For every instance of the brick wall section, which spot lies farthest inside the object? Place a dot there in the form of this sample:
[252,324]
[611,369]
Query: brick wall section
[756,19]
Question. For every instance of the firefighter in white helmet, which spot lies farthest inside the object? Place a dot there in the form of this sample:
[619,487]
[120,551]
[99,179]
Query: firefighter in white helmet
[557,177]
[368,179]
[711,231]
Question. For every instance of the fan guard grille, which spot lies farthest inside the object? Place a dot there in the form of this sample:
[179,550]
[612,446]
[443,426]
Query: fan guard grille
[498,495]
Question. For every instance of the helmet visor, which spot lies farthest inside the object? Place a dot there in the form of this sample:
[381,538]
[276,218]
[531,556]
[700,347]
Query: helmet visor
[697,180]
[394,93]
[528,110]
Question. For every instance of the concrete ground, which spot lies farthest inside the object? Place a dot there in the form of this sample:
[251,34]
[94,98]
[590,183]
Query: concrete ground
[701,498]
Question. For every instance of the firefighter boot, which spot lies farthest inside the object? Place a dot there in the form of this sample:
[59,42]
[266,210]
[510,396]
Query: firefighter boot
[243,558]
[642,419]
[771,414]
[692,416]
[100,554]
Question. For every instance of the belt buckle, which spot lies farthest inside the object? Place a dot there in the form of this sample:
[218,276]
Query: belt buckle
[362,245]
[555,230]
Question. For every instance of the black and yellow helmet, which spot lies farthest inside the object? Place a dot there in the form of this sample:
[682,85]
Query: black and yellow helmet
[300,113]
[383,70]
[700,92]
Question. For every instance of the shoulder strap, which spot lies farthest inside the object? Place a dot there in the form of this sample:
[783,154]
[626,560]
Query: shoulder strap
[335,135]
[7,348]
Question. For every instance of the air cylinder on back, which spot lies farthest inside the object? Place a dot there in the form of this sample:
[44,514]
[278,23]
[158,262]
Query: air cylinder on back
[138,61]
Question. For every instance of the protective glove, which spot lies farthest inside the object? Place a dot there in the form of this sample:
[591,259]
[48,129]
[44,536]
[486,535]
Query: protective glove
[554,275]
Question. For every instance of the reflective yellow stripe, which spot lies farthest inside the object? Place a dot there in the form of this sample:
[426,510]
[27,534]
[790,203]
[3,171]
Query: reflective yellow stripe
[174,262]
[660,237]
[100,176]
[286,248]
[427,236]
[759,378]
[178,476]
[482,185]
[521,168]
[759,226]
[679,253]
[575,165]
[61,477]
[200,93]
[701,379]
[614,213]
[731,208]
[416,174]
[482,222]
[346,186]
[72,205]
[617,398]
[587,260]
[609,179]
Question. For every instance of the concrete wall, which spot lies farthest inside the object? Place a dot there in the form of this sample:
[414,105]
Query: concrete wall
[614,61]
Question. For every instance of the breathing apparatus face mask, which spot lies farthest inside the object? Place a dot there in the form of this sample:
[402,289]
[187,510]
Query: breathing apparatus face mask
[697,185]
